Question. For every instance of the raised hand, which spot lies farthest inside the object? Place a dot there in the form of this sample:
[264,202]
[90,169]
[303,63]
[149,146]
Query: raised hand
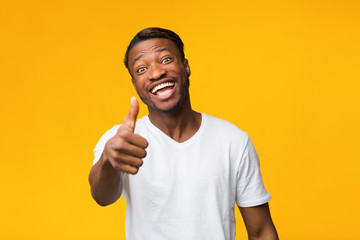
[126,149]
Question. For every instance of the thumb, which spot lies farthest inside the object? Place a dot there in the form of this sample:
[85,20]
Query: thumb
[130,119]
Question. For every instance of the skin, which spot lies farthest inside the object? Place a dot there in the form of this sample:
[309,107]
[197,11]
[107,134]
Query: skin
[258,222]
[152,62]
[156,61]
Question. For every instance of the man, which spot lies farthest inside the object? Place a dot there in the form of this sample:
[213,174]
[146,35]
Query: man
[181,172]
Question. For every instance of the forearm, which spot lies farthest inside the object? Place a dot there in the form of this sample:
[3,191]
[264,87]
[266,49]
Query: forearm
[258,222]
[105,182]
[267,233]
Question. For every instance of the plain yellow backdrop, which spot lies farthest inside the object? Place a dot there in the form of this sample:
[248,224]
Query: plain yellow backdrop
[286,72]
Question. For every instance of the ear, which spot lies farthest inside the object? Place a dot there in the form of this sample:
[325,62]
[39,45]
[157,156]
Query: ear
[187,67]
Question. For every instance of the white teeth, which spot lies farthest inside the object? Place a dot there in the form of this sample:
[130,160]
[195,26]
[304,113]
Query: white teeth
[161,86]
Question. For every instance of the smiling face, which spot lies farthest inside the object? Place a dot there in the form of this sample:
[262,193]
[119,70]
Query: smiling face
[159,75]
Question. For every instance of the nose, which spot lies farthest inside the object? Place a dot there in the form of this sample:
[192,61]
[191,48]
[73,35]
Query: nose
[156,72]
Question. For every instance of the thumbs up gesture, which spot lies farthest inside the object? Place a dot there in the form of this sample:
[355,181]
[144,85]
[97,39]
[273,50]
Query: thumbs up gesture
[126,149]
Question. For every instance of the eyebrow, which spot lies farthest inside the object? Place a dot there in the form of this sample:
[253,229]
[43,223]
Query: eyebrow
[157,51]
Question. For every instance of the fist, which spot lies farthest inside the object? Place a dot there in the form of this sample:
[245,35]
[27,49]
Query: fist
[125,151]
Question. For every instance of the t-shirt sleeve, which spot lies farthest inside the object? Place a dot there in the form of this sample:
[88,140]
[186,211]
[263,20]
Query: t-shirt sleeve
[99,148]
[250,189]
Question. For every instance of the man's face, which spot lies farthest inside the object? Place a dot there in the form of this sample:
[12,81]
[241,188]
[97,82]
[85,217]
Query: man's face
[160,77]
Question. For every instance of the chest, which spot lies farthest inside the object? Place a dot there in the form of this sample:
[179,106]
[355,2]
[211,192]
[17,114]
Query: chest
[186,174]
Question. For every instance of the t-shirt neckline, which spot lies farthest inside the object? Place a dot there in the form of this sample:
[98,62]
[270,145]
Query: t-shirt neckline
[168,139]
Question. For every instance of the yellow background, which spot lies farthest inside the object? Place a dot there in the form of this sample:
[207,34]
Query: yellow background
[286,72]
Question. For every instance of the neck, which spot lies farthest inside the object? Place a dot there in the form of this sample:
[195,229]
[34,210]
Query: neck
[180,125]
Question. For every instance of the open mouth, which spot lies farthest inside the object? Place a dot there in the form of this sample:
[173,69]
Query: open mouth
[163,89]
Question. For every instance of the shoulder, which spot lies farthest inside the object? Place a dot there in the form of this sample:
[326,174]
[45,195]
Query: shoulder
[226,129]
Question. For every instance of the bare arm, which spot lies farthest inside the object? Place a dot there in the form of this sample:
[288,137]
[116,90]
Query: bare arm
[122,153]
[105,182]
[258,222]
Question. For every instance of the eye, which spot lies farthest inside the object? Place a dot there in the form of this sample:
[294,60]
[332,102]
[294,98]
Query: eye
[140,70]
[166,60]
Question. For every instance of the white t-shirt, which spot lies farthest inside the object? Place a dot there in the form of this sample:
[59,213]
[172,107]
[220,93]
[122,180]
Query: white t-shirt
[188,190]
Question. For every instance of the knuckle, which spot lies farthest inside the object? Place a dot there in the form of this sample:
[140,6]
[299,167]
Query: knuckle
[114,164]
[120,143]
[121,133]
[116,158]
[124,134]
[113,154]
[108,144]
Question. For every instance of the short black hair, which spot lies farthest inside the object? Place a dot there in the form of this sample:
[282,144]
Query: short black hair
[154,32]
